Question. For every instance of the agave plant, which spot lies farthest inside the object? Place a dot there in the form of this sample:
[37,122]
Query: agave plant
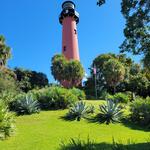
[110,112]
[6,122]
[79,110]
[27,105]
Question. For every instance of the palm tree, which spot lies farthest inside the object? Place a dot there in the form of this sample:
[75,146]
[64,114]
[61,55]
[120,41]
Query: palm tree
[5,52]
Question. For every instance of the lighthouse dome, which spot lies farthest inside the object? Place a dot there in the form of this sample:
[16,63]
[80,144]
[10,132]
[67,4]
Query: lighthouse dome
[68,5]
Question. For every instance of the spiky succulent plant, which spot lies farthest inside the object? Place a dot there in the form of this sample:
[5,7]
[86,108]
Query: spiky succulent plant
[79,110]
[110,112]
[26,105]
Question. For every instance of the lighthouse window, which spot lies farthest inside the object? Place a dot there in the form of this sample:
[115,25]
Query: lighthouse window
[64,48]
[75,31]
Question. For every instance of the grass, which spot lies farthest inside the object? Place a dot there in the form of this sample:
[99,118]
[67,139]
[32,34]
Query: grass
[46,130]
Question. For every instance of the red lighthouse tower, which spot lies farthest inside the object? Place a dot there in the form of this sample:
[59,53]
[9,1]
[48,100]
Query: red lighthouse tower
[69,18]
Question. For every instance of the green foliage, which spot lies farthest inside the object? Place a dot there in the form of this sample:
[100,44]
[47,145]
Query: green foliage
[25,105]
[146,60]
[138,84]
[140,111]
[118,73]
[79,93]
[77,144]
[6,122]
[5,52]
[135,69]
[54,97]
[113,72]
[79,110]
[29,80]
[58,67]
[110,112]
[48,126]
[103,94]
[68,73]
[7,97]
[120,146]
[137,30]
[89,88]
[101,59]
[7,83]
[99,62]
[120,98]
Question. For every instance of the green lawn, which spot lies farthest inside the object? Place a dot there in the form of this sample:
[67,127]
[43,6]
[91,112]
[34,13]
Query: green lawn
[46,130]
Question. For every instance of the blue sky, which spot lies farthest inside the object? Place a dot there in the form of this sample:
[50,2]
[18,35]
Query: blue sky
[32,30]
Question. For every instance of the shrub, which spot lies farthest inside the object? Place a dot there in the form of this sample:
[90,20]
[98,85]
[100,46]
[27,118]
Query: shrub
[6,97]
[79,110]
[26,105]
[7,82]
[77,144]
[131,95]
[103,94]
[110,112]
[140,111]
[6,122]
[110,97]
[79,93]
[54,98]
[119,97]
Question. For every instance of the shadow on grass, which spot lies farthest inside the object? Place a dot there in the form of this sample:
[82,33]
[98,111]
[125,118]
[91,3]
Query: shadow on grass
[131,125]
[105,146]
[74,118]
[124,122]
[89,119]
[67,118]
[99,119]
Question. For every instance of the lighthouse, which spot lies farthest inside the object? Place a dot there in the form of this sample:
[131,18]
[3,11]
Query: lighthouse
[69,18]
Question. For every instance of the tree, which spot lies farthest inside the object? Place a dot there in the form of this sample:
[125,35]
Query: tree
[98,62]
[29,80]
[68,73]
[146,60]
[101,59]
[74,73]
[137,27]
[38,79]
[101,83]
[100,2]
[5,52]
[7,83]
[137,30]
[113,72]
[139,84]
[58,67]
[135,69]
